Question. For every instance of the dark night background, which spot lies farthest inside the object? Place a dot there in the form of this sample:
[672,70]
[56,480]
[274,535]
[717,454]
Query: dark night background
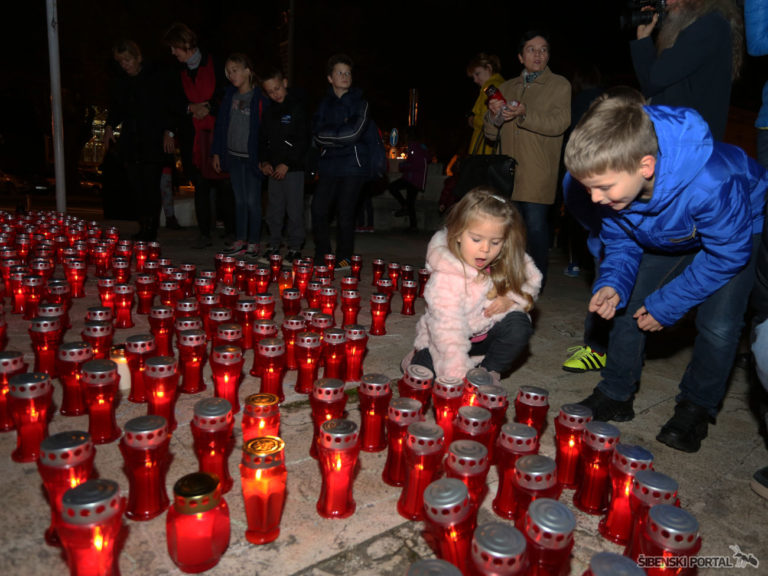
[396,45]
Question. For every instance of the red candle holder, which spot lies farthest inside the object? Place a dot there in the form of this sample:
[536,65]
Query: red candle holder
[535,477]
[121,270]
[423,278]
[378,269]
[407,272]
[308,314]
[70,358]
[161,377]
[416,383]
[338,450]
[197,526]
[393,272]
[450,520]
[228,333]
[187,323]
[385,286]
[99,314]
[323,272]
[265,306]
[291,301]
[569,432]
[226,271]
[229,295]
[467,460]
[301,279]
[161,325]
[320,323]
[100,382]
[355,347]
[328,300]
[473,423]
[599,440]
[33,287]
[49,310]
[307,349]
[227,373]
[312,294]
[30,398]
[446,399]
[672,536]
[99,335]
[350,306]
[627,461]
[207,303]
[101,259]
[124,297]
[59,293]
[649,488]
[138,348]
[204,285]
[262,328]
[145,450]
[271,353]
[259,280]
[498,549]
[11,363]
[379,311]
[187,308]
[45,336]
[91,522]
[333,352]
[473,380]
[424,450]
[244,313]
[141,252]
[402,412]
[106,287]
[261,416]
[275,265]
[494,399]
[292,326]
[531,406]
[76,274]
[18,291]
[515,440]
[216,316]
[408,294]
[327,402]
[609,564]
[548,530]
[66,461]
[374,394]
[168,293]
[193,346]
[212,424]
[263,479]
[349,283]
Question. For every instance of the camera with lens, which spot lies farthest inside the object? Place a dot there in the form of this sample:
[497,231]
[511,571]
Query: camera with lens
[640,12]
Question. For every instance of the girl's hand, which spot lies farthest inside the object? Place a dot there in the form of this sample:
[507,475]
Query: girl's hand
[266,168]
[498,305]
[199,110]
[280,172]
[216,164]
[604,302]
[645,321]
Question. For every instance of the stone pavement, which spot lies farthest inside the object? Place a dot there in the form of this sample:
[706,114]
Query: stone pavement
[375,540]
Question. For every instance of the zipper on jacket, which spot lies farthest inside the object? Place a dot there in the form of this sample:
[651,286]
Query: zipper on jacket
[359,165]
[691,236]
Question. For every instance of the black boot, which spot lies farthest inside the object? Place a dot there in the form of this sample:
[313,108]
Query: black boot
[605,408]
[686,429]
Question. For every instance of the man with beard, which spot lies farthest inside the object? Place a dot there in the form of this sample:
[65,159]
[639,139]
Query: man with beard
[696,55]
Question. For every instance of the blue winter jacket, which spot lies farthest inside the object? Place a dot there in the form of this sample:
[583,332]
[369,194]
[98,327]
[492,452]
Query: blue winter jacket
[339,126]
[708,197]
[756,26]
[219,145]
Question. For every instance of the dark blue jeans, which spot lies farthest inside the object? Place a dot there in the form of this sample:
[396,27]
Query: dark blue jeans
[536,217]
[719,322]
[341,192]
[246,186]
[504,345]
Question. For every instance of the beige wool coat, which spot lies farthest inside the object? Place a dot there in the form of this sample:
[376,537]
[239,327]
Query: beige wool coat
[535,141]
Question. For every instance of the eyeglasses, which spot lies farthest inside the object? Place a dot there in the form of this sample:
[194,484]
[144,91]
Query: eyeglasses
[343,73]
[533,50]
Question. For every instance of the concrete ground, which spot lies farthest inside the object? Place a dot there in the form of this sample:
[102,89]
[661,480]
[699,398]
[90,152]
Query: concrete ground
[376,540]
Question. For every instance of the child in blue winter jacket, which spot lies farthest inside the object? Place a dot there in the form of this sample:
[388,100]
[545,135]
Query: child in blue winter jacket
[686,215]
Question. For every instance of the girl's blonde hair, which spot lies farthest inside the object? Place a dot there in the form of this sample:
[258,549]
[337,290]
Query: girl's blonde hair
[245,61]
[508,271]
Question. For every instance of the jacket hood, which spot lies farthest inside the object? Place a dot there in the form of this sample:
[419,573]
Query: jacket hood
[440,258]
[685,145]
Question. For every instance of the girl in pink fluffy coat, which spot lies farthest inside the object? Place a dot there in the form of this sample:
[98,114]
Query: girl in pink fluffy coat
[482,285]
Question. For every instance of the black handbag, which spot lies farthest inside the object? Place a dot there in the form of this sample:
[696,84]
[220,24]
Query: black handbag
[493,170]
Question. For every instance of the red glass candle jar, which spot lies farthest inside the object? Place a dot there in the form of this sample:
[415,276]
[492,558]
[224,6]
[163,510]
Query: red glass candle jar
[301,279]
[29,400]
[593,491]
[494,399]
[473,379]
[11,363]
[307,351]
[261,416]
[262,328]
[161,378]
[385,286]
[320,323]
[227,373]
[33,292]
[226,270]
[515,440]
[124,297]
[349,283]
[312,294]
[197,526]
[145,449]
[329,300]
[187,323]
[76,272]
[355,348]
[446,399]
[91,522]
[265,306]
[327,402]
[244,313]
[188,283]
[263,479]
[49,310]
[138,348]
[416,383]
[70,359]
[228,333]
[207,303]
[141,251]
[100,256]
[292,326]
[350,306]
[423,278]
[121,270]
[569,432]
[379,311]
[333,352]
[161,325]
[407,272]
[106,287]
[627,461]
[535,477]
[378,267]
[393,272]
[291,300]
[308,314]
[58,292]
[610,564]
[548,531]
[66,461]
[204,285]
[187,308]
[262,277]
[672,536]
[374,394]
[212,424]
[473,423]
[100,383]
[402,412]
[450,520]
[16,275]
[99,335]
[531,406]
[275,265]
[45,335]
[99,314]
[323,272]
[271,353]
[193,354]
[169,292]
[338,450]
[498,549]
[408,294]
[467,460]
[649,488]
[216,316]
[424,451]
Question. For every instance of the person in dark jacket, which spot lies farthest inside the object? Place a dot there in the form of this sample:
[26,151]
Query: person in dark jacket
[338,127]
[413,180]
[687,213]
[142,107]
[284,139]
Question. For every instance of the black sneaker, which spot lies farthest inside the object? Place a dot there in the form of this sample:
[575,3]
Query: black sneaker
[760,482]
[686,429]
[264,258]
[236,248]
[291,256]
[605,409]
[343,265]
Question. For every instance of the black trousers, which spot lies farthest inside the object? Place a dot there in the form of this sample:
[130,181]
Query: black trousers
[341,193]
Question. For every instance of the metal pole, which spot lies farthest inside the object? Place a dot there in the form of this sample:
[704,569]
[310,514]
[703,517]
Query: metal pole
[56,113]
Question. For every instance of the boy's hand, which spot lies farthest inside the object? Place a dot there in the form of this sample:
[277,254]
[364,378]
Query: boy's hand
[645,321]
[266,168]
[604,302]
[280,171]
[216,164]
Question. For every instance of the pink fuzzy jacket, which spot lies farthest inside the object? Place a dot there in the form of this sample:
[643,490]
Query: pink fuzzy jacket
[456,296]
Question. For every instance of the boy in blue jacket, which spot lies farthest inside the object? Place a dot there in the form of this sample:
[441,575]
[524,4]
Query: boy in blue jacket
[686,215]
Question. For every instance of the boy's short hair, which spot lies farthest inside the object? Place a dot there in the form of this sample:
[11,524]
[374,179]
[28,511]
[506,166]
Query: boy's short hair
[337,59]
[180,36]
[272,73]
[615,133]
[129,46]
